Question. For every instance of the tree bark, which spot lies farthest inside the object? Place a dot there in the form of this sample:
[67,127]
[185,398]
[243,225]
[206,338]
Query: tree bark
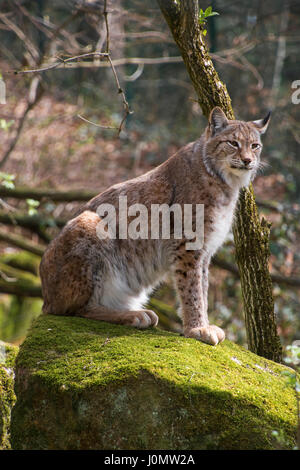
[251,235]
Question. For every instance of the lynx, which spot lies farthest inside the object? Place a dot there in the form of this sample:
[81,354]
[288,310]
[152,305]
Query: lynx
[110,279]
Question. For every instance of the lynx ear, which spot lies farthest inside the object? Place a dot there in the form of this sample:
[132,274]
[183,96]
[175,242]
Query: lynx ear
[262,124]
[217,120]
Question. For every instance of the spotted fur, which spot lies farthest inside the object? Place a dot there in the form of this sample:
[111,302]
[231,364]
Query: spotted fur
[111,279]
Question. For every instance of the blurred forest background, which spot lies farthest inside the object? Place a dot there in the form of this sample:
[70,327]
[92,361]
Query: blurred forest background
[51,158]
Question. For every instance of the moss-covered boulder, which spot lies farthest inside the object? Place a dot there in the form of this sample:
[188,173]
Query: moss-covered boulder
[83,384]
[7,396]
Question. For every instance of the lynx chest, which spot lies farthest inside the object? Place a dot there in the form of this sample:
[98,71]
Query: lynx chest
[217,226]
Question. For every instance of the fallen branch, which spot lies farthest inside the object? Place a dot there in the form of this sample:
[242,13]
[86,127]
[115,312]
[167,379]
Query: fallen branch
[23,261]
[17,281]
[54,195]
[20,290]
[35,223]
[84,195]
[21,242]
[277,278]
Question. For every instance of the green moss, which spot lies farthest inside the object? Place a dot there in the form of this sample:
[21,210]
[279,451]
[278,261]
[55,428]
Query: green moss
[88,384]
[7,396]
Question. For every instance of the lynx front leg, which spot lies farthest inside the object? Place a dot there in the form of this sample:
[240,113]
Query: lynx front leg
[191,273]
[205,266]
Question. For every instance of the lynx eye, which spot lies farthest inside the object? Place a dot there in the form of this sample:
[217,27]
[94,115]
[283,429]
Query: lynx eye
[255,146]
[233,143]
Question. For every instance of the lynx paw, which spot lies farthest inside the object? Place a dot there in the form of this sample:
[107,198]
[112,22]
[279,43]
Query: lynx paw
[210,334]
[142,319]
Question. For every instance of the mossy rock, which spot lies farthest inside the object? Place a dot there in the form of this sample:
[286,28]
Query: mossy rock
[83,384]
[7,396]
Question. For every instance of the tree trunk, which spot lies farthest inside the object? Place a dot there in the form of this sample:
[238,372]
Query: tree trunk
[251,238]
[251,235]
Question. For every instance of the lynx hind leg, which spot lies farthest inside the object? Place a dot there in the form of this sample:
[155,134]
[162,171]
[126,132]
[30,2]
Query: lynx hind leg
[137,318]
[69,291]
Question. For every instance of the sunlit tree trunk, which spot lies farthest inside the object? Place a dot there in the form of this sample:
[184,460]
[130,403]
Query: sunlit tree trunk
[250,234]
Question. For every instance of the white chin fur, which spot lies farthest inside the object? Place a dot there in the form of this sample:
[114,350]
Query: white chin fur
[240,172]
[237,177]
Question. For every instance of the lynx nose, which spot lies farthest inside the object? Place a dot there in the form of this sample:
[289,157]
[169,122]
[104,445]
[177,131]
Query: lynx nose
[246,161]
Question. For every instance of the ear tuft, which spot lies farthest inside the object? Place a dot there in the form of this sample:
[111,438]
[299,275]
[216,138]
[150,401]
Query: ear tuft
[262,124]
[217,120]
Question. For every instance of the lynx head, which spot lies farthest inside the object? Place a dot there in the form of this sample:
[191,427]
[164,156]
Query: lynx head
[232,148]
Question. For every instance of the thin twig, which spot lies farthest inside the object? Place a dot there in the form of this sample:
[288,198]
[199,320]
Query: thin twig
[116,62]
[60,62]
[31,48]
[7,206]
[97,125]
[120,91]
[127,111]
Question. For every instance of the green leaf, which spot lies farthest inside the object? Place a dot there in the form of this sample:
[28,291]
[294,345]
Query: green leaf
[7,176]
[32,211]
[7,180]
[203,15]
[8,184]
[32,202]
[4,124]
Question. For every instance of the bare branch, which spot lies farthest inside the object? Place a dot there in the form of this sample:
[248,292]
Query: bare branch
[21,242]
[95,124]
[18,288]
[35,93]
[52,194]
[60,62]
[29,45]
[35,223]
